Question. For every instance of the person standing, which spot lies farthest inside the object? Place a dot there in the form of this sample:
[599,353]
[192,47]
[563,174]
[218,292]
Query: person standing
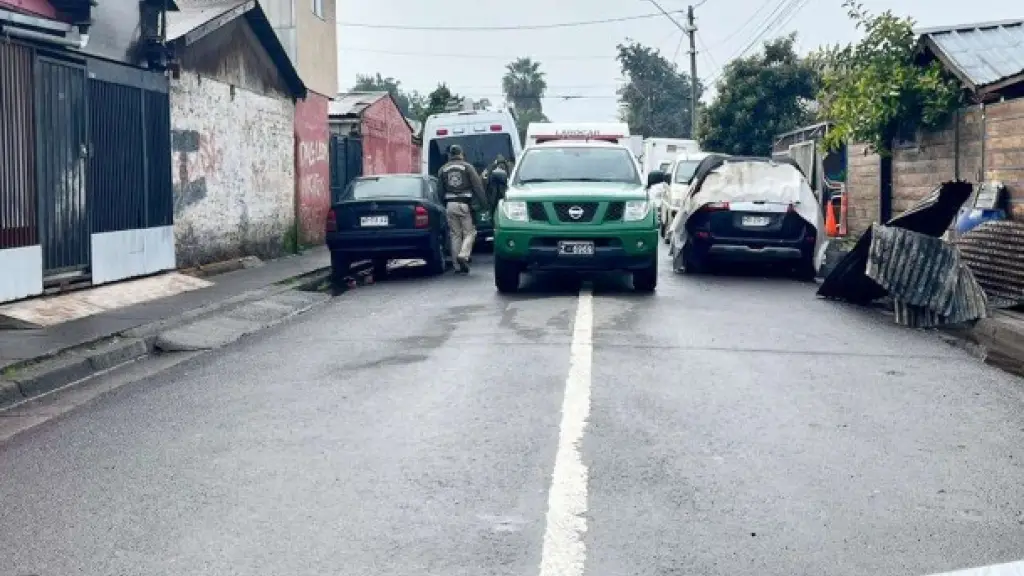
[461,184]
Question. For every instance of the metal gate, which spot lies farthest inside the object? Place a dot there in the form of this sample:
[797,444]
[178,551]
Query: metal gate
[61,157]
[346,155]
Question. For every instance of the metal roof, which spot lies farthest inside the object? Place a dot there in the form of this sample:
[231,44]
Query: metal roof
[986,56]
[353,103]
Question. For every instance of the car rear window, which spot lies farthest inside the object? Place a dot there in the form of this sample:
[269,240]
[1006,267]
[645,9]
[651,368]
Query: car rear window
[576,163]
[402,187]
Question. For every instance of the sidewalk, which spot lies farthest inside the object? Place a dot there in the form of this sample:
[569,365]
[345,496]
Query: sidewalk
[1001,338]
[19,346]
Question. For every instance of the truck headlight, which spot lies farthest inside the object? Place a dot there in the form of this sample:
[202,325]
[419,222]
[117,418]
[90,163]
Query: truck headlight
[515,211]
[636,210]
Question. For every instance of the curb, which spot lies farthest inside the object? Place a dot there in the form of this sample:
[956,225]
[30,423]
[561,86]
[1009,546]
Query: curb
[31,379]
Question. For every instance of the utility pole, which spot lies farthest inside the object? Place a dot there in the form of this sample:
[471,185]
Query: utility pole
[691,30]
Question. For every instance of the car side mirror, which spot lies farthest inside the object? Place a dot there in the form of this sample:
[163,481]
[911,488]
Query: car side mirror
[656,177]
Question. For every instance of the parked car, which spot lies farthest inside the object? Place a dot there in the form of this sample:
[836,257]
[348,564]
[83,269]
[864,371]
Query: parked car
[576,206]
[748,209]
[388,217]
[682,169]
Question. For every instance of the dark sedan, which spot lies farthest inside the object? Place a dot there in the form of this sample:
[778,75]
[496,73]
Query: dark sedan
[388,217]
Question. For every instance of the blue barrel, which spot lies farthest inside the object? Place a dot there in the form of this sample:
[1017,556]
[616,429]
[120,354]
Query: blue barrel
[971,218]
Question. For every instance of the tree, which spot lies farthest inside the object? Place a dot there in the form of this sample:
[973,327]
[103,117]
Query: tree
[378,83]
[524,86]
[874,91]
[759,97]
[655,101]
[436,102]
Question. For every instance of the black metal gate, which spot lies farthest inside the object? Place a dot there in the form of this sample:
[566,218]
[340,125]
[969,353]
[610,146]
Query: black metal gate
[61,157]
[346,155]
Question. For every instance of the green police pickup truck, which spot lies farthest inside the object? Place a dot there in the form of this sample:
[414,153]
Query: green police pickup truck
[576,206]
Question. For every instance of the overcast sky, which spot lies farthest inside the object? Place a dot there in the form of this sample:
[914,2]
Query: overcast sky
[580,61]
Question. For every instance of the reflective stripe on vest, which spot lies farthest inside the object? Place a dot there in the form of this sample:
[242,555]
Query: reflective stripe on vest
[458,196]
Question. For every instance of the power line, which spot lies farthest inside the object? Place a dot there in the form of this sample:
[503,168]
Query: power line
[507,58]
[707,51]
[783,13]
[504,28]
[745,24]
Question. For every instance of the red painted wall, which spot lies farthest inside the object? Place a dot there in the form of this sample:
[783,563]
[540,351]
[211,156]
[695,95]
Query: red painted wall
[312,168]
[37,7]
[387,140]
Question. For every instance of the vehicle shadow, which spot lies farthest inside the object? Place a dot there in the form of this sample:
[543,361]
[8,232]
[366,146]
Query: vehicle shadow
[754,270]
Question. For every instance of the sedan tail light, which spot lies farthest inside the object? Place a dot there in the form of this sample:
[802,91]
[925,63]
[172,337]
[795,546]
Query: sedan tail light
[332,221]
[422,218]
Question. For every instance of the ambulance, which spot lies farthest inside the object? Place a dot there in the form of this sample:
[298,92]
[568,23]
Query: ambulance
[541,132]
[483,135]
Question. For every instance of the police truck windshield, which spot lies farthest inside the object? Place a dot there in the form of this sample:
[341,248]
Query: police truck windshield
[577,164]
[480,150]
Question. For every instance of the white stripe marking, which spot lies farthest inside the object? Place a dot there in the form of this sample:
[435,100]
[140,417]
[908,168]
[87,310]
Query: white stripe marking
[1010,569]
[564,551]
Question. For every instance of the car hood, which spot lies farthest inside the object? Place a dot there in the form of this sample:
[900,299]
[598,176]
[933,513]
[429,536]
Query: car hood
[576,191]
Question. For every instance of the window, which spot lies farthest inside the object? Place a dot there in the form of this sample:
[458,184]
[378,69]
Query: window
[685,171]
[318,8]
[480,150]
[577,164]
[384,187]
[664,166]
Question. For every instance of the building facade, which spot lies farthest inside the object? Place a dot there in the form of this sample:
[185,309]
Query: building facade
[233,107]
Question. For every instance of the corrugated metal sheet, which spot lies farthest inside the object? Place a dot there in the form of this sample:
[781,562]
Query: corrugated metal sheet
[18,218]
[353,103]
[190,18]
[932,216]
[994,252]
[925,277]
[982,53]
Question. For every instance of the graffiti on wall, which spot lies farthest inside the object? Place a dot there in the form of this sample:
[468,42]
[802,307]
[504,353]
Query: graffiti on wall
[195,155]
[312,168]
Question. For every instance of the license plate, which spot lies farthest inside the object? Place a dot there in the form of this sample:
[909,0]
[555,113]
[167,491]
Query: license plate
[756,220]
[576,248]
[373,221]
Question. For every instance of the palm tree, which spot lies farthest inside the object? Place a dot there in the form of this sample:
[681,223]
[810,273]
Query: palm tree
[524,84]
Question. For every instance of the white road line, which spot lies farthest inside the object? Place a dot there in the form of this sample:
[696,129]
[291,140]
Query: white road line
[1010,569]
[564,551]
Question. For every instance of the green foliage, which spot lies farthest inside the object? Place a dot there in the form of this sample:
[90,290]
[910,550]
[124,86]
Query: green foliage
[524,85]
[436,102]
[378,83]
[759,97]
[655,101]
[873,90]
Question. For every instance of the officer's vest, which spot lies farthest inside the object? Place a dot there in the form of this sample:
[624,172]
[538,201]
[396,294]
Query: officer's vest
[457,185]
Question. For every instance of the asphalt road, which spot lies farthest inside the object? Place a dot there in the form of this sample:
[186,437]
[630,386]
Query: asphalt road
[430,427]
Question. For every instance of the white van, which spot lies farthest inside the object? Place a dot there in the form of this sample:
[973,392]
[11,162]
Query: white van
[681,172]
[482,135]
[659,153]
[540,132]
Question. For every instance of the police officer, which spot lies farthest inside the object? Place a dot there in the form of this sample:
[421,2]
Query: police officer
[461,183]
[495,179]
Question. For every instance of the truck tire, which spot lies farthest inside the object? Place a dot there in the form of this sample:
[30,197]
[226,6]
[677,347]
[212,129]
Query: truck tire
[646,280]
[506,275]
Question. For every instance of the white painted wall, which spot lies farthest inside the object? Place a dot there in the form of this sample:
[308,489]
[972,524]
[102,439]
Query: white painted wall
[128,253]
[233,171]
[21,273]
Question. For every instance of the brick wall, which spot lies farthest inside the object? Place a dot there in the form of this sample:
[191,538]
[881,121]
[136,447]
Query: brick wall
[861,188]
[1004,150]
[941,155]
[233,171]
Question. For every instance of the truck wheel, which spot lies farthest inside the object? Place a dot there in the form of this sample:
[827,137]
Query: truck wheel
[646,280]
[506,275]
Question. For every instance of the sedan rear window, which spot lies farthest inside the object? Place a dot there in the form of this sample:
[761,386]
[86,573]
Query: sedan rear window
[577,164]
[386,187]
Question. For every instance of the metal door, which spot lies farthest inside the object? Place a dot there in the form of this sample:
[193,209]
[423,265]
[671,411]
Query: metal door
[61,157]
[346,163]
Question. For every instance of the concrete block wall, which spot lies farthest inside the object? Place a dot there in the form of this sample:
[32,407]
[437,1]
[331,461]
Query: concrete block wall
[979,147]
[233,169]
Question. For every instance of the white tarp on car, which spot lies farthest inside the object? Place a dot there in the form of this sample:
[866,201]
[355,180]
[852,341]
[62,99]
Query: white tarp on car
[745,181]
